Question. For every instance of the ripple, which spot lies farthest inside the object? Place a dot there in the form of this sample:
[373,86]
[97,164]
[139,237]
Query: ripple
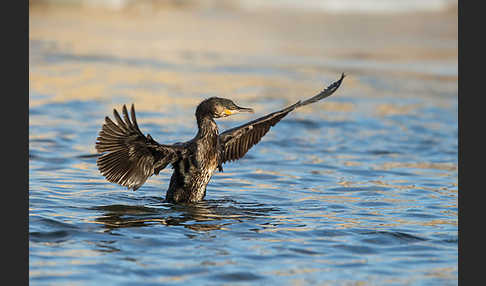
[356,249]
[236,277]
[373,204]
[50,236]
[358,189]
[390,238]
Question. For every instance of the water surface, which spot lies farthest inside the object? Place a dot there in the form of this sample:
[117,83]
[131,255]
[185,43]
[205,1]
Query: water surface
[358,189]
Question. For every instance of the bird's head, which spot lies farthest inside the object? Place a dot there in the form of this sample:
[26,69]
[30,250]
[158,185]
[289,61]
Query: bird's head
[218,107]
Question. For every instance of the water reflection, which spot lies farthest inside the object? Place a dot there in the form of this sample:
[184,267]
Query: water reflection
[359,190]
[206,215]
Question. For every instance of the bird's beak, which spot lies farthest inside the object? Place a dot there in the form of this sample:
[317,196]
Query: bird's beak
[237,110]
[244,109]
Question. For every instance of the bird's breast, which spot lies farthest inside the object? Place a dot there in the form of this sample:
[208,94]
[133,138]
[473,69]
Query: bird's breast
[208,153]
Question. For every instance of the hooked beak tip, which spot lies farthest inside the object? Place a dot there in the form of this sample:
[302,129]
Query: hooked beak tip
[243,109]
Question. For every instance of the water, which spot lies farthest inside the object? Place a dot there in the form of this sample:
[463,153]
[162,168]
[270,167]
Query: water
[358,189]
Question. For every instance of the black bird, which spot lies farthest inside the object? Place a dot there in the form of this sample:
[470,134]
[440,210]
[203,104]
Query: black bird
[131,157]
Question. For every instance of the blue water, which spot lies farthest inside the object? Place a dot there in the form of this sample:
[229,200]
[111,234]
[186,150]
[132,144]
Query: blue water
[360,189]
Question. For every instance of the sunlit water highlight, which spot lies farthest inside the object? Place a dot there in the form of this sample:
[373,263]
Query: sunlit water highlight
[360,188]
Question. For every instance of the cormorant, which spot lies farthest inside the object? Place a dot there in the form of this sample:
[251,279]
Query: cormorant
[131,157]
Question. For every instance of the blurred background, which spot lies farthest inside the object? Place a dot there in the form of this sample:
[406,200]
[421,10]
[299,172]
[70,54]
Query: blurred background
[365,192]
[165,49]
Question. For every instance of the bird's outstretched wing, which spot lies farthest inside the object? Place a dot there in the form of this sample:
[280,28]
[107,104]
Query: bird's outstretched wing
[131,158]
[237,141]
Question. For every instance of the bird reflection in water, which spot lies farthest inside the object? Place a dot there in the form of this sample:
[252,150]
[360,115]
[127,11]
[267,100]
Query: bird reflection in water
[202,216]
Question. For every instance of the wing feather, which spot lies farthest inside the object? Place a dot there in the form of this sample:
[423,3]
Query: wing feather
[237,141]
[130,158]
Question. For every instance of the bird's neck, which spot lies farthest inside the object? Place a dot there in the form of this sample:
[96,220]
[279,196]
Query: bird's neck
[207,127]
